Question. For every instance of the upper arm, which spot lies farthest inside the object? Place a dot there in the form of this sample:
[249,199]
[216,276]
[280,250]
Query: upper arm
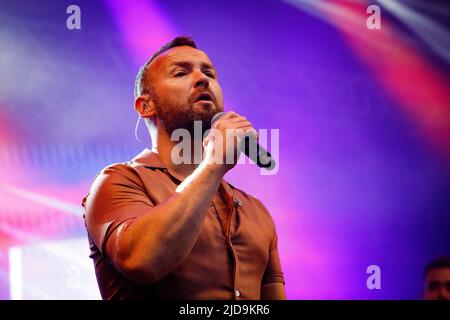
[116,196]
[273,291]
[272,285]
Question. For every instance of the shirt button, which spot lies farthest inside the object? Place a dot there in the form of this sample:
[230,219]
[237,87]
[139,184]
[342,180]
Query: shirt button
[238,293]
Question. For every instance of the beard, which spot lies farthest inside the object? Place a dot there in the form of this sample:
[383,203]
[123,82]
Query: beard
[183,116]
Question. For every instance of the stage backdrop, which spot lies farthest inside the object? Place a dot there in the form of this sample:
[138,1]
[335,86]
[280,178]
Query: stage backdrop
[363,113]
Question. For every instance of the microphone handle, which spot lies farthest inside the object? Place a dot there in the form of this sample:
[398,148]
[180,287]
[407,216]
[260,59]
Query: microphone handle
[261,157]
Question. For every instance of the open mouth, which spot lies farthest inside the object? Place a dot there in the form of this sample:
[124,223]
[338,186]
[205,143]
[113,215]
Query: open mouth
[204,97]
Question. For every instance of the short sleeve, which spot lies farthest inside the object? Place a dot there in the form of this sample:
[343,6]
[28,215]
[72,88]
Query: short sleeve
[117,195]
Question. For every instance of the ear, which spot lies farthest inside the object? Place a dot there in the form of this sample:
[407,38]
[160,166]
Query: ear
[145,106]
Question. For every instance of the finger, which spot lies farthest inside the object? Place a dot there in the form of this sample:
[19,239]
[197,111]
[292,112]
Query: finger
[229,115]
[231,123]
[248,131]
[238,118]
[243,124]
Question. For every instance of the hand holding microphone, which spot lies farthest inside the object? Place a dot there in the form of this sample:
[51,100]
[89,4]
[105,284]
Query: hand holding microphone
[238,135]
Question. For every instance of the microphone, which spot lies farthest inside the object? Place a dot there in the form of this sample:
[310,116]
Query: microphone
[261,157]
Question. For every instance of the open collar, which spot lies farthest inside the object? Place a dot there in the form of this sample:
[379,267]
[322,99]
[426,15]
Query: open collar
[148,158]
[151,159]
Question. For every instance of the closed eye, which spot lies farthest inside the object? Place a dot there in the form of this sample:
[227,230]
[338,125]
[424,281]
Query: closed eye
[180,74]
[210,74]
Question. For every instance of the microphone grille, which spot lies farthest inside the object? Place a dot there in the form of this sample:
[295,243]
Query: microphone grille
[217,116]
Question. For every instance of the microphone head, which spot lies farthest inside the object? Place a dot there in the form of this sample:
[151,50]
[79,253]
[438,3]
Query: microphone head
[216,117]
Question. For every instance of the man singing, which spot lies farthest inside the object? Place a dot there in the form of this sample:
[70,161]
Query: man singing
[159,229]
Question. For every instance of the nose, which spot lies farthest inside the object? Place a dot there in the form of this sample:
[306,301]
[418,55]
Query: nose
[201,80]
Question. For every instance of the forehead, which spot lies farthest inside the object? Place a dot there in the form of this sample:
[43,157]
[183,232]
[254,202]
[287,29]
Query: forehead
[179,54]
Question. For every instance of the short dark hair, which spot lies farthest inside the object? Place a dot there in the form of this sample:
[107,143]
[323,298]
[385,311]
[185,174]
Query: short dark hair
[141,75]
[438,263]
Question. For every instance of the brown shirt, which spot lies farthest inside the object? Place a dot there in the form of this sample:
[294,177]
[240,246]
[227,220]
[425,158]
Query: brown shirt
[234,255]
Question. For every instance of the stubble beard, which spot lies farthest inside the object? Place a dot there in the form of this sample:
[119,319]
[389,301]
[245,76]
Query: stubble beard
[183,116]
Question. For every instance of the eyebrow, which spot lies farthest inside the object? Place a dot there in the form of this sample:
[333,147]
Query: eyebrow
[186,64]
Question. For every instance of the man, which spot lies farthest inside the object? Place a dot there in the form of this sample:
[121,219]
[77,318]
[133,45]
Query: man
[437,280]
[161,230]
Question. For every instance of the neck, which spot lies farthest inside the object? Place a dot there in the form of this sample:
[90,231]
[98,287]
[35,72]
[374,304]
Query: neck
[164,146]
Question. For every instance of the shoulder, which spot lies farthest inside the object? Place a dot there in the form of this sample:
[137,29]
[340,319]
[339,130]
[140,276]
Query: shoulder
[116,169]
[132,169]
[111,178]
[116,173]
